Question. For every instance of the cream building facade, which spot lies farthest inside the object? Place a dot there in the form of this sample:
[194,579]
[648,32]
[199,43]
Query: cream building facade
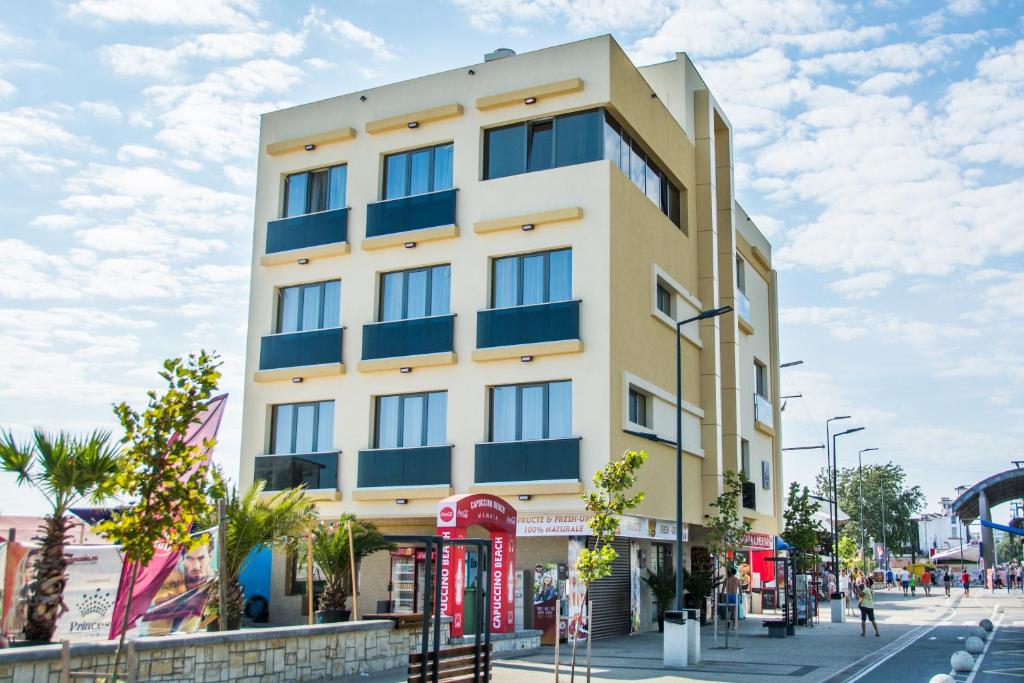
[468,282]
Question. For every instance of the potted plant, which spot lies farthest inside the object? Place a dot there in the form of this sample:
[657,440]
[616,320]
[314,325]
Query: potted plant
[331,555]
[663,586]
[699,584]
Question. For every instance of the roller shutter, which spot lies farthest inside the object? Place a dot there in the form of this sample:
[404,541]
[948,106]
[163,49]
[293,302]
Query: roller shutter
[610,595]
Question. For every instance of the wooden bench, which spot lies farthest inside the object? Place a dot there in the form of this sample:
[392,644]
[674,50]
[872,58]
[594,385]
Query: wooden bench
[454,664]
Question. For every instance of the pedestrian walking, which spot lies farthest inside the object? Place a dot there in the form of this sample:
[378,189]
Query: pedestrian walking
[905,582]
[732,592]
[965,581]
[1011,578]
[845,588]
[913,585]
[947,581]
[1020,577]
[889,579]
[926,583]
[866,603]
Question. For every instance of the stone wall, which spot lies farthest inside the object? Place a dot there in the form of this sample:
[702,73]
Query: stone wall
[289,653]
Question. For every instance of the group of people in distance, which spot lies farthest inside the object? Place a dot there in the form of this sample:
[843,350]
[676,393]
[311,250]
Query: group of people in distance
[1008,576]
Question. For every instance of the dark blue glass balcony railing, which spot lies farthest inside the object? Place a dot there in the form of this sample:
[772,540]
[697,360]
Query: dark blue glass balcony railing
[410,213]
[311,230]
[295,349]
[538,460]
[313,470]
[423,466]
[528,324]
[435,334]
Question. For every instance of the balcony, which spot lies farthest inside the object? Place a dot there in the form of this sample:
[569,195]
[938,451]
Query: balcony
[408,343]
[764,417]
[315,471]
[537,329]
[310,236]
[404,467]
[524,461]
[743,312]
[405,220]
[306,354]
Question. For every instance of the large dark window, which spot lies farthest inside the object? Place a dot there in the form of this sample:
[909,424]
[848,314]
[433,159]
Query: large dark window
[418,171]
[532,279]
[538,145]
[309,307]
[741,275]
[302,428]
[411,420]
[525,412]
[415,293]
[313,191]
[644,171]
[760,379]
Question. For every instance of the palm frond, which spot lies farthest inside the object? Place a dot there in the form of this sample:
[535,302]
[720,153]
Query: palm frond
[16,458]
[256,520]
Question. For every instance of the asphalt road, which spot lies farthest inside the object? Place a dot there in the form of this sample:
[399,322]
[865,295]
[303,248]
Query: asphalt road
[929,652]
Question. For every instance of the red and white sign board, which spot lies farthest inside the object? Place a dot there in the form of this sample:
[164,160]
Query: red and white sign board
[757,541]
[455,514]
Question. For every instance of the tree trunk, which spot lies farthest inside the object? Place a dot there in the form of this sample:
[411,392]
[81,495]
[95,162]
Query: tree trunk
[236,603]
[46,601]
[334,595]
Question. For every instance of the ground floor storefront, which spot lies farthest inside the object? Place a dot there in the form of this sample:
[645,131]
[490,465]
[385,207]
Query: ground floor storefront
[543,579]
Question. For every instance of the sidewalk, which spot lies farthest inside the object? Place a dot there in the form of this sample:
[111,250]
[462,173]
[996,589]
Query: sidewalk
[814,654]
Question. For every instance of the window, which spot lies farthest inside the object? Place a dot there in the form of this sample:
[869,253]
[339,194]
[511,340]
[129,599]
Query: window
[415,293]
[741,275]
[643,170]
[525,412]
[418,171]
[309,307]
[302,428]
[532,279]
[745,458]
[546,143]
[766,475]
[639,411]
[663,299]
[312,191]
[411,420]
[760,379]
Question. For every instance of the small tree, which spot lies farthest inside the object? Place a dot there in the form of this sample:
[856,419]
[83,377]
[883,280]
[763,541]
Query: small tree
[849,553]
[802,529]
[253,522]
[607,502]
[161,471]
[726,529]
[663,587]
[65,469]
[331,555]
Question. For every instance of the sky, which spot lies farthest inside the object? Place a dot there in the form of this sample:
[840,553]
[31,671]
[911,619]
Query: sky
[879,146]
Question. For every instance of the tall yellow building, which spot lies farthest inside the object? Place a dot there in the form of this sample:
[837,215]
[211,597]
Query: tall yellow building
[469,282]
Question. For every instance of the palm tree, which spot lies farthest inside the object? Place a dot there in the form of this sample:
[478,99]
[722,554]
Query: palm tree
[256,521]
[65,469]
[331,555]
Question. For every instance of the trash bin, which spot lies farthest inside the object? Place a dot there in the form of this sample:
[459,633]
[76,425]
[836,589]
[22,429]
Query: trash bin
[838,608]
[674,642]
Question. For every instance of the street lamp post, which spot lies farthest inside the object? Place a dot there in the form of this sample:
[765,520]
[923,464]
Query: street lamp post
[832,520]
[860,484]
[703,315]
[835,505]
[885,552]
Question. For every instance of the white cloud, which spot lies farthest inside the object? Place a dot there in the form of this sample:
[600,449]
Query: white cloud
[237,14]
[102,110]
[138,153]
[861,286]
[887,81]
[347,32]
[6,88]
[892,57]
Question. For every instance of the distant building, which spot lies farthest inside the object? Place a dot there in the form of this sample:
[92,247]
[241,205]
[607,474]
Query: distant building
[939,530]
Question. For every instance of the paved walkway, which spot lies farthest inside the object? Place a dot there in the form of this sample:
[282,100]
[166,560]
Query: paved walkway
[918,635]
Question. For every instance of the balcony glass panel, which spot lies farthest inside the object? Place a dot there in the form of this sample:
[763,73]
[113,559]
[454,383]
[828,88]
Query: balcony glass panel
[541,460]
[313,470]
[409,337]
[763,410]
[743,306]
[410,213]
[528,324]
[296,349]
[309,230]
[422,466]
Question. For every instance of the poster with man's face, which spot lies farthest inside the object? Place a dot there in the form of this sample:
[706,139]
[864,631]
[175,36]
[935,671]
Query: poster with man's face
[178,605]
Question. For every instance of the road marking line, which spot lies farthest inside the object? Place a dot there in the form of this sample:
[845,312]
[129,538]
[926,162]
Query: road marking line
[988,644]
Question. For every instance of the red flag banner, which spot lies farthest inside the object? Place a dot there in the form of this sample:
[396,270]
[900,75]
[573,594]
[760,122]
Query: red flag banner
[152,577]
